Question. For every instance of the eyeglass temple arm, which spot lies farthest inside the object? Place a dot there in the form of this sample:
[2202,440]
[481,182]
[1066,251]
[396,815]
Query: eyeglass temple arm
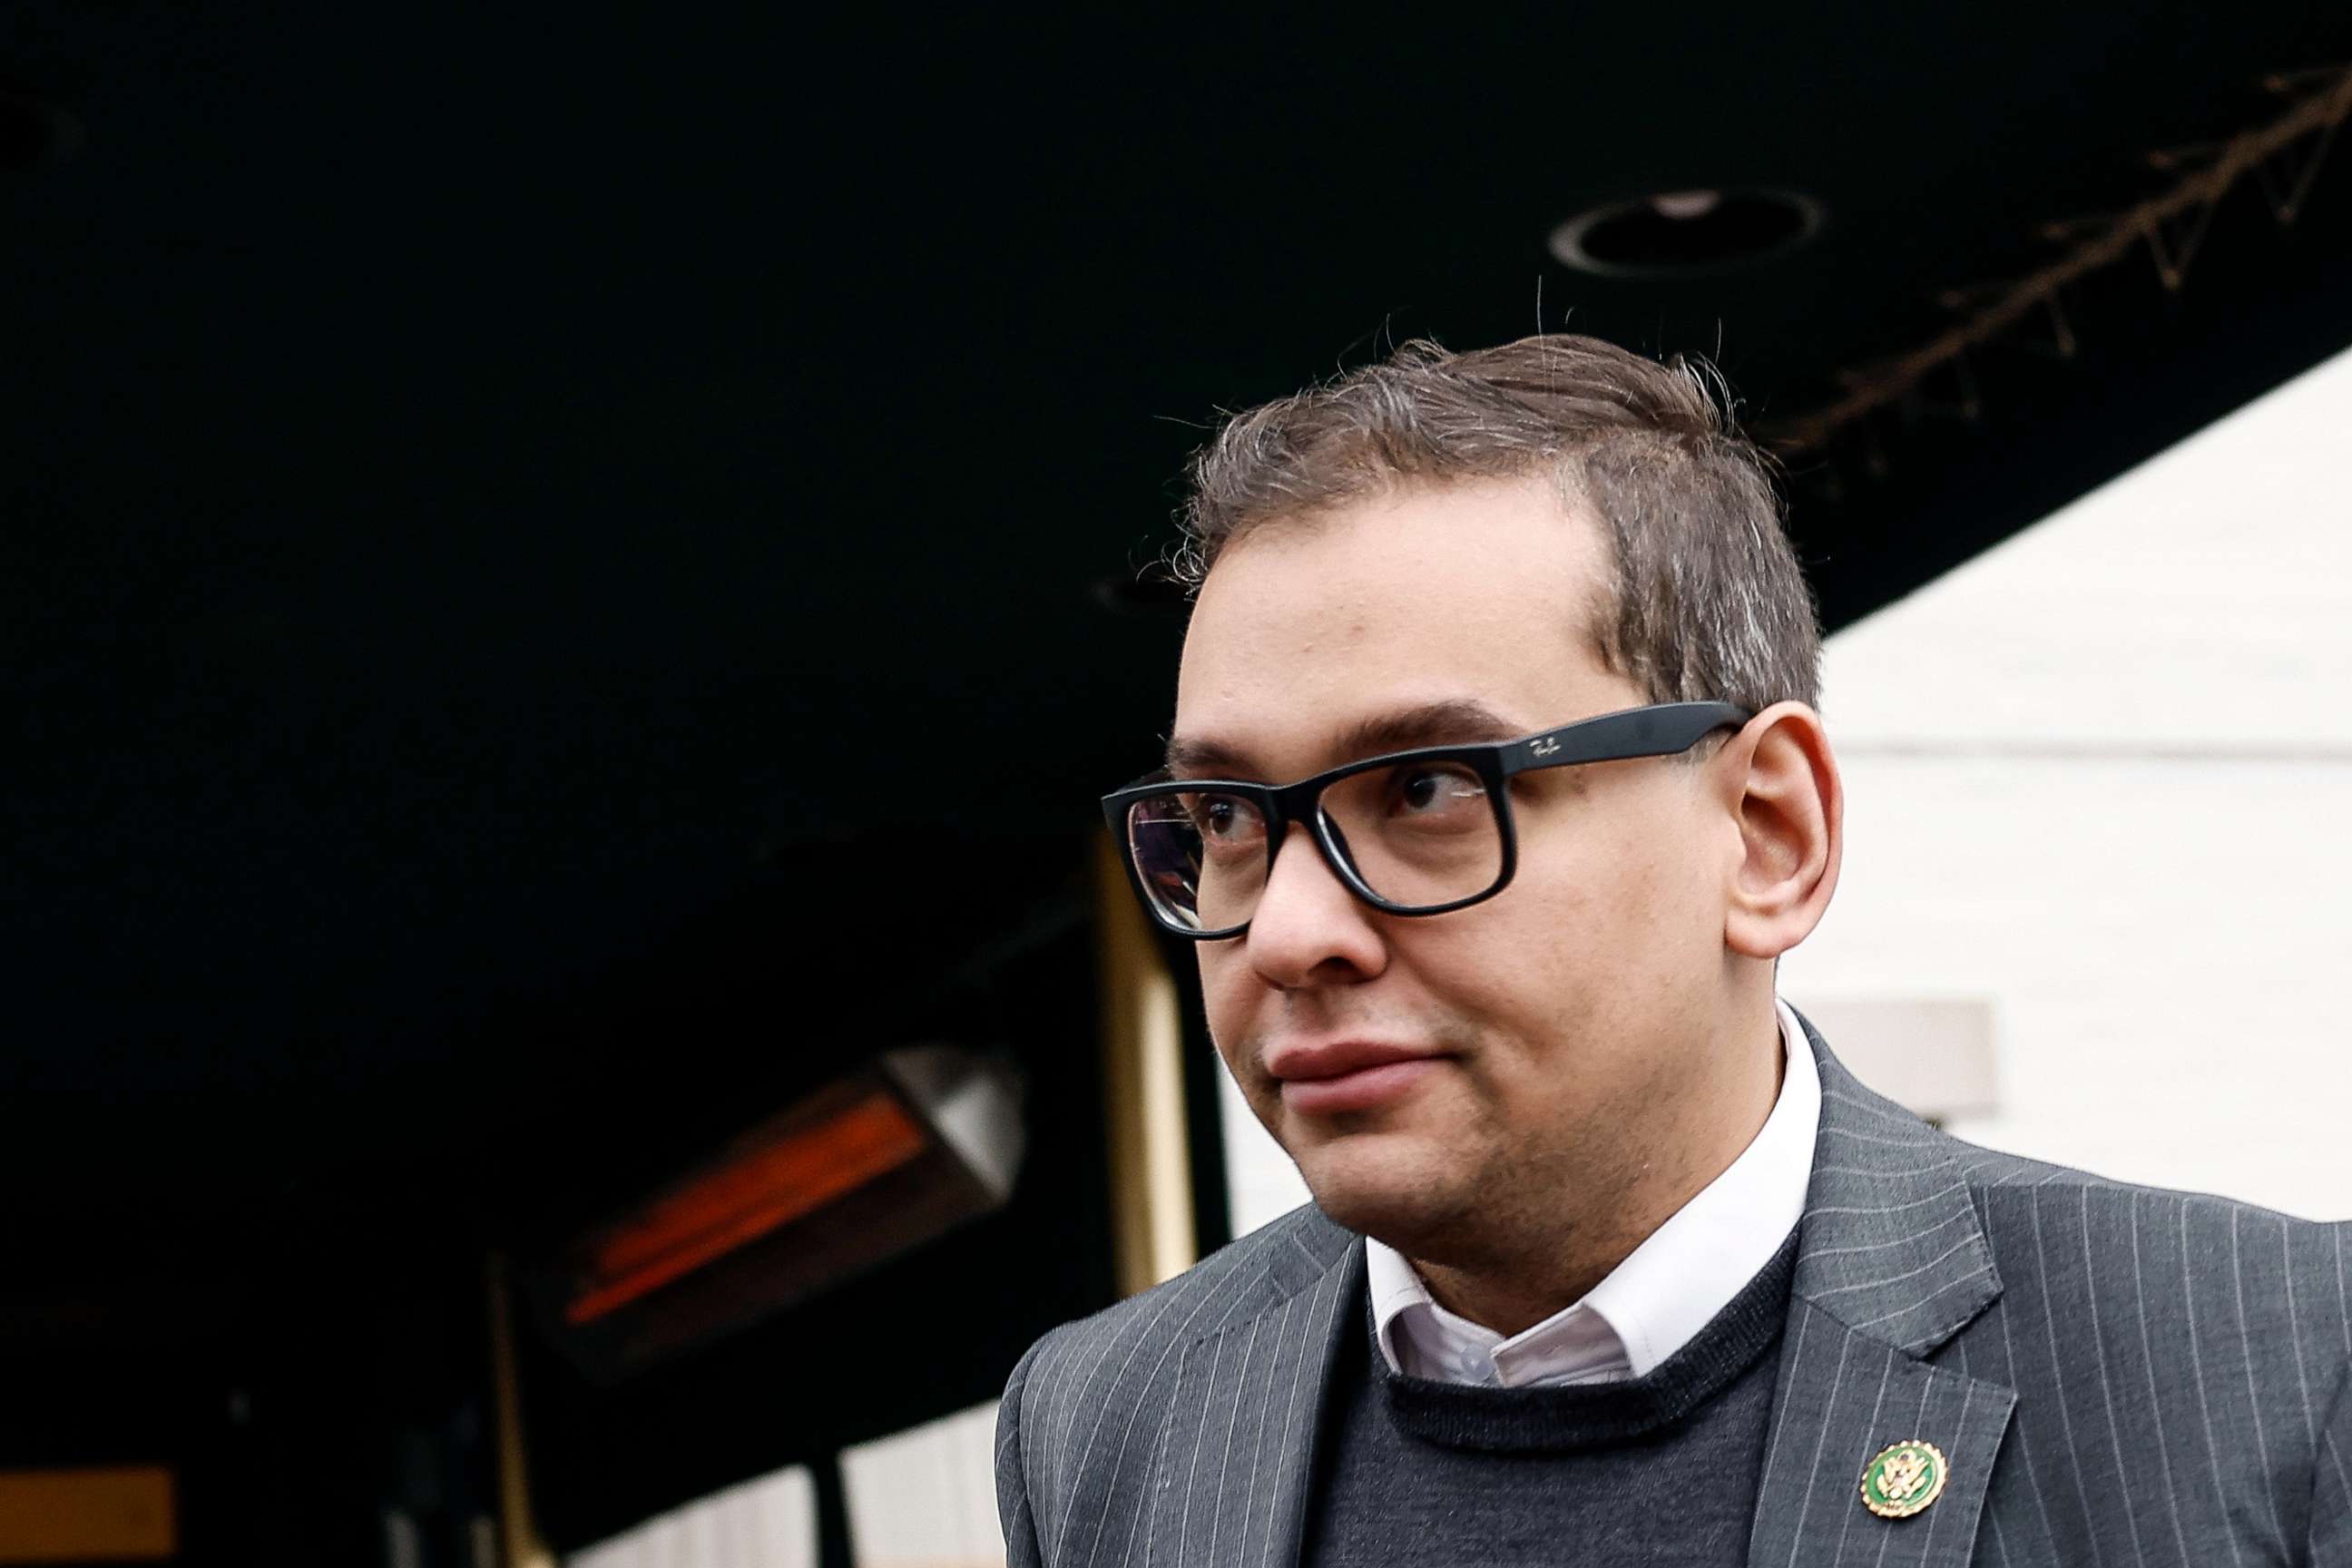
[1657,731]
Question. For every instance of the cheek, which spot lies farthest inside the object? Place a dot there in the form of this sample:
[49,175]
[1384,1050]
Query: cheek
[1228,998]
[1628,876]
[1589,941]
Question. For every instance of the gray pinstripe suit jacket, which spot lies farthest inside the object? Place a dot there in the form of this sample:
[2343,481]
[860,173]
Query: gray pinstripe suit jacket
[2117,1376]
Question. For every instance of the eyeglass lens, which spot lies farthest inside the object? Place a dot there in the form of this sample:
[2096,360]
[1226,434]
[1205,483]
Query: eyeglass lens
[1419,835]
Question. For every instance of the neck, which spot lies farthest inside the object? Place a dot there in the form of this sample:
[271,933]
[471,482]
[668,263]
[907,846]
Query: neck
[1577,1244]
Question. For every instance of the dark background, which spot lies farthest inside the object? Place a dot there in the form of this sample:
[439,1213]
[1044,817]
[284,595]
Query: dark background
[544,554]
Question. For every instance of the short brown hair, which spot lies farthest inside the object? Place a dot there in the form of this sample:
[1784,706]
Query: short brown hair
[1708,602]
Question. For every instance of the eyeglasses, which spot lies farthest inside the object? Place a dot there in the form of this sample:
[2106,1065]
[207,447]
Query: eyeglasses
[1412,833]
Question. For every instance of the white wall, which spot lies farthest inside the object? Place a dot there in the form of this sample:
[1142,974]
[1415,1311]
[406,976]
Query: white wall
[2101,779]
[770,1522]
[926,1497]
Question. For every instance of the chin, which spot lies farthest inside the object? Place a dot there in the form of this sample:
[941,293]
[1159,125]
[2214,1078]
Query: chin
[1397,1199]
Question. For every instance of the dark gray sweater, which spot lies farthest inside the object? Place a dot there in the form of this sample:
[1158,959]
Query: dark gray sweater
[1661,1469]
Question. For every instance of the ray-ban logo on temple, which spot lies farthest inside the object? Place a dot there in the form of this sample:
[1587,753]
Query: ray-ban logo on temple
[1410,833]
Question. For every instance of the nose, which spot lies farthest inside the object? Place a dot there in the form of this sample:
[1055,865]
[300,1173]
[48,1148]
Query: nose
[1308,929]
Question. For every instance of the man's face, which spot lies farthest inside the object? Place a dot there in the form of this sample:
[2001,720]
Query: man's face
[1557,1033]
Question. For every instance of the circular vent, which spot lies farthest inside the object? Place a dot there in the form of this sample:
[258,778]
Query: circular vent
[1681,234]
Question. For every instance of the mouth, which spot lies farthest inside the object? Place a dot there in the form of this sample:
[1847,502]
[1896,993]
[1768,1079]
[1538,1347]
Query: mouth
[1347,1075]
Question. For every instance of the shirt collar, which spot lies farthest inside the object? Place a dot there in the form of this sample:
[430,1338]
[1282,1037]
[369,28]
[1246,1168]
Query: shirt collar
[1657,1300]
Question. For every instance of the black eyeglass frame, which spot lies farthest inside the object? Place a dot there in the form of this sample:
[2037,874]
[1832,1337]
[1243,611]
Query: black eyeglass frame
[1658,729]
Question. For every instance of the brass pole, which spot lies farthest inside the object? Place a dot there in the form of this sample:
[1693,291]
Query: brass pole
[520,1542]
[1143,1089]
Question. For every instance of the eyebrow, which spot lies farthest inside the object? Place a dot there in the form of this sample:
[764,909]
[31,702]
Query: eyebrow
[1455,721]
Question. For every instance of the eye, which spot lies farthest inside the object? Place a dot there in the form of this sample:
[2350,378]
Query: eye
[1435,793]
[1222,819]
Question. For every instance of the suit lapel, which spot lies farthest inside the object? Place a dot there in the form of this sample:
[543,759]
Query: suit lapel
[1841,1397]
[1236,1459]
[1891,1263]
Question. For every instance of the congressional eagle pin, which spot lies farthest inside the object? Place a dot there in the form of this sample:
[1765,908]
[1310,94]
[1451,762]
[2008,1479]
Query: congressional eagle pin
[1902,1479]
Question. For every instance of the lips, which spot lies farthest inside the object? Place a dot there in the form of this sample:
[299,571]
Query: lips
[1347,1075]
[1334,1058]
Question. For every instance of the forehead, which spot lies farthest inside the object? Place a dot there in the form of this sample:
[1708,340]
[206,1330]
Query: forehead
[1306,631]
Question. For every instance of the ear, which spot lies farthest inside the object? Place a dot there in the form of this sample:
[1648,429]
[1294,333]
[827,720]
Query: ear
[1782,782]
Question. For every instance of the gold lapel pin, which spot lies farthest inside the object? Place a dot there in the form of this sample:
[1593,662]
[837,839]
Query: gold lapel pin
[1903,1479]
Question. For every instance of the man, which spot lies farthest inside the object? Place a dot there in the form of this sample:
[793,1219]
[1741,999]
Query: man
[1610,1261]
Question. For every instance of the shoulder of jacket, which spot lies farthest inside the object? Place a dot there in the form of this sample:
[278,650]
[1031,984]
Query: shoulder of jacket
[1989,1171]
[2024,1205]
[1187,1304]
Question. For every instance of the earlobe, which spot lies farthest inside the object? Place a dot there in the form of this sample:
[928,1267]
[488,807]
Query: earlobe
[1791,808]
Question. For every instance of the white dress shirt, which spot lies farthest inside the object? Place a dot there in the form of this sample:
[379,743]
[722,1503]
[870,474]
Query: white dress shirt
[1651,1304]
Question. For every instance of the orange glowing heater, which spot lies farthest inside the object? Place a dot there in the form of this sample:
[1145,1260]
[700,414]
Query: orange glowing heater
[863,1169]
